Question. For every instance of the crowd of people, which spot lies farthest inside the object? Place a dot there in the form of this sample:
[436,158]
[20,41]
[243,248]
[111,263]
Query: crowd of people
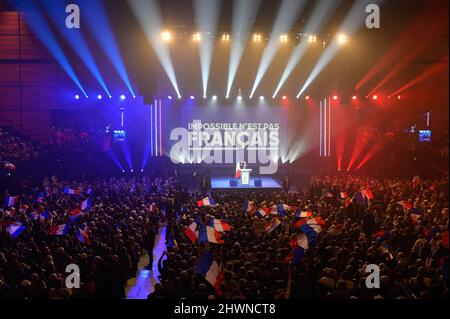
[15,148]
[33,263]
[412,254]
[399,225]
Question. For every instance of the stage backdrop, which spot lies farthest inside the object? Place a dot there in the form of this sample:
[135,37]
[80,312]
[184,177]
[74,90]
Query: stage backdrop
[222,135]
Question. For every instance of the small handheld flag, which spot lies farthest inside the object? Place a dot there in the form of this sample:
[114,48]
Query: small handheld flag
[271,225]
[210,270]
[207,201]
[15,229]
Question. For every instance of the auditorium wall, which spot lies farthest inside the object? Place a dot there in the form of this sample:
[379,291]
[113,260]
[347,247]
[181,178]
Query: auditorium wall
[28,80]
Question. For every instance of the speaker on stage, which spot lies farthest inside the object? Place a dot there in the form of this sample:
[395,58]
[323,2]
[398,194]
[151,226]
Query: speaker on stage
[258,182]
[233,182]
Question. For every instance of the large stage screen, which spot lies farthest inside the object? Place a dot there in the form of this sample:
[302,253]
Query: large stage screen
[226,135]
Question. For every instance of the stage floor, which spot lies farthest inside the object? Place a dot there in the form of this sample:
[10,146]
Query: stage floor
[224,183]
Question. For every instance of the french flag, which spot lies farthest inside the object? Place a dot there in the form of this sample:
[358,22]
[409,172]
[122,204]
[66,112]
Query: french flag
[303,214]
[15,229]
[299,245]
[280,209]
[415,214]
[271,225]
[304,241]
[192,232]
[210,270]
[11,200]
[295,256]
[207,201]
[59,230]
[71,191]
[261,213]
[83,235]
[220,225]
[248,207]
[75,214]
[86,204]
[208,234]
[311,228]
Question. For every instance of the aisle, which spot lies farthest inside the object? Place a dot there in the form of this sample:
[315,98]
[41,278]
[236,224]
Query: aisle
[142,285]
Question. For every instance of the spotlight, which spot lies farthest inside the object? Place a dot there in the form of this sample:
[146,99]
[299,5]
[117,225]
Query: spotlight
[192,97]
[398,97]
[375,97]
[123,171]
[342,39]
[134,96]
[225,37]
[257,37]
[77,97]
[166,36]
[261,97]
[335,97]
[312,39]
[239,97]
[169,97]
[197,37]
[131,171]
[214,97]
[99,97]
[142,170]
[110,96]
[284,38]
[307,97]
[122,97]
[354,97]
[284,97]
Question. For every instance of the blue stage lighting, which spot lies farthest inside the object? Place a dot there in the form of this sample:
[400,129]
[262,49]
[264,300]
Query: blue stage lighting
[132,171]
[192,97]
[100,26]
[99,96]
[169,97]
[122,97]
[77,97]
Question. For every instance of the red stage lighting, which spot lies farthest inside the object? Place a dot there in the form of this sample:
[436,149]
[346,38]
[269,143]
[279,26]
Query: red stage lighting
[307,97]
[354,97]
[335,97]
[398,97]
[375,97]
[284,97]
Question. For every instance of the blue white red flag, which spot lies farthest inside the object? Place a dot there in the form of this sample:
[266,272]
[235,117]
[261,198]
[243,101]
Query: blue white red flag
[272,225]
[208,234]
[15,229]
[210,270]
[207,201]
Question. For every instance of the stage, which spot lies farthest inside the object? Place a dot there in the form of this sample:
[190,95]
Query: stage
[267,183]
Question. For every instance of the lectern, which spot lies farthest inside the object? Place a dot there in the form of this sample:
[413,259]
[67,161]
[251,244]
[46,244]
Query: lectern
[245,176]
